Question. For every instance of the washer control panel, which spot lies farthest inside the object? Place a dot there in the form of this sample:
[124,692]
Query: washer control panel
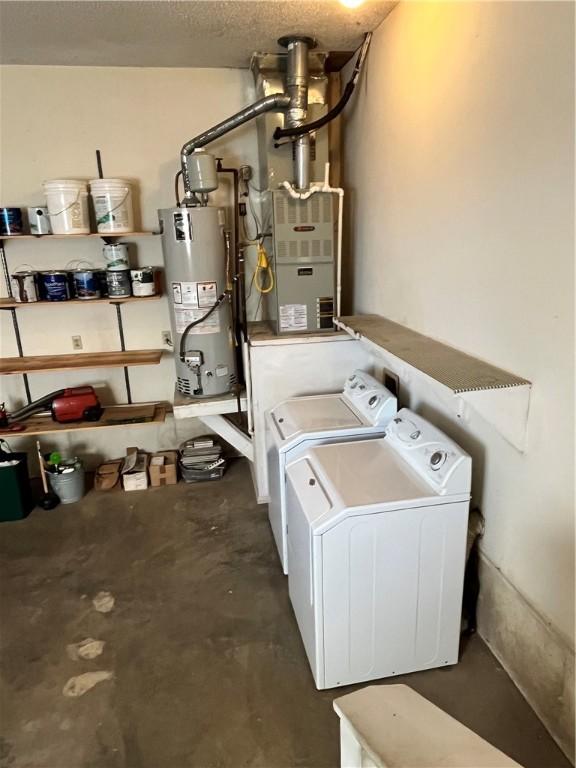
[375,404]
[431,453]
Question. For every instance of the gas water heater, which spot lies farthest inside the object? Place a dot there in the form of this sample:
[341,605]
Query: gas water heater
[195,257]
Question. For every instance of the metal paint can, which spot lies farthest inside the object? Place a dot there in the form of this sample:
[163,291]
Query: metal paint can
[86,285]
[102,282]
[116,256]
[40,285]
[11,221]
[71,282]
[39,221]
[118,283]
[24,287]
[54,286]
[143,281]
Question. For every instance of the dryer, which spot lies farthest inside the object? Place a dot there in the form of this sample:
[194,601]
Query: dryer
[362,410]
[376,546]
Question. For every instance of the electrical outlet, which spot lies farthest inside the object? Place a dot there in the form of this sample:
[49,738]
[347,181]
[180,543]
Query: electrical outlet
[245,173]
[391,382]
[76,342]
[167,338]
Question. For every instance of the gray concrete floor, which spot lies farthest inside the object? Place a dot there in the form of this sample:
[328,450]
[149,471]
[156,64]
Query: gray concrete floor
[206,660]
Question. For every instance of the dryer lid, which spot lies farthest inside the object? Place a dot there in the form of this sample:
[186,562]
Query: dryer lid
[314,414]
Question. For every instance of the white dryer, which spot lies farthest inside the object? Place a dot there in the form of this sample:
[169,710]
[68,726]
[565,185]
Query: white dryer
[362,410]
[377,546]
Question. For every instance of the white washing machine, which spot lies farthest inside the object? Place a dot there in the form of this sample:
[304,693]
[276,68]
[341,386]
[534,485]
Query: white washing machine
[362,410]
[377,547]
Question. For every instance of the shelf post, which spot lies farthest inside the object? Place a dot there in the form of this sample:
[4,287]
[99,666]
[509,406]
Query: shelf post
[123,348]
[14,318]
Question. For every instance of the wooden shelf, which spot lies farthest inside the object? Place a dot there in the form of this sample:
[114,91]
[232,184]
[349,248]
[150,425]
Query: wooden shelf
[137,415]
[25,365]
[42,363]
[73,237]
[190,407]
[12,304]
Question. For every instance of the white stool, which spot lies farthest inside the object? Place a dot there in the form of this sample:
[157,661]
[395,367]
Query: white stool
[394,727]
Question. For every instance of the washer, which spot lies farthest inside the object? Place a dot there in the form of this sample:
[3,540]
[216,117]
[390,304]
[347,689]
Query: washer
[362,410]
[376,546]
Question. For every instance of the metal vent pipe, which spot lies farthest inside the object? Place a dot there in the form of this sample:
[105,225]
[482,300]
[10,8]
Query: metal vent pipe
[294,102]
[296,114]
[276,102]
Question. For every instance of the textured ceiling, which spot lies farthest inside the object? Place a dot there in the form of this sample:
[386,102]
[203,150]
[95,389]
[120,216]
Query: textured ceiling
[185,33]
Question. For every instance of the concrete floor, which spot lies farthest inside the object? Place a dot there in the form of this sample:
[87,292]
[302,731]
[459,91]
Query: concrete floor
[206,660]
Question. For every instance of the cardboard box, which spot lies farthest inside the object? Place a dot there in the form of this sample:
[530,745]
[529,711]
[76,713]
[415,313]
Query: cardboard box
[163,468]
[135,470]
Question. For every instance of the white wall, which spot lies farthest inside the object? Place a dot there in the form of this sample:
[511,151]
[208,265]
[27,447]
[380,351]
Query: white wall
[460,165]
[52,121]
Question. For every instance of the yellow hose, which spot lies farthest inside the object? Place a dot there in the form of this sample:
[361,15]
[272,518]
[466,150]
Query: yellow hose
[263,266]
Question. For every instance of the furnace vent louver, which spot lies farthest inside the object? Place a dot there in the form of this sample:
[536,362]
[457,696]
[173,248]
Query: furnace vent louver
[280,211]
[316,210]
[305,250]
[303,229]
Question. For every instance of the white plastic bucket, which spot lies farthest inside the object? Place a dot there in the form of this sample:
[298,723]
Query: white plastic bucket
[112,200]
[67,201]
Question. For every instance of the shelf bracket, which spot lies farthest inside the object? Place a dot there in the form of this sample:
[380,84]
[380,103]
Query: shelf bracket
[123,348]
[230,432]
[505,409]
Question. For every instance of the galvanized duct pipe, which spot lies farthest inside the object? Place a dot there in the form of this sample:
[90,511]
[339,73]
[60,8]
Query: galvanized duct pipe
[297,87]
[293,132]
[276,102]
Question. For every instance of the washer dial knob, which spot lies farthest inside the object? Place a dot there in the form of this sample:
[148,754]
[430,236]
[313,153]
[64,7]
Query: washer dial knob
[407,430]
[437,460]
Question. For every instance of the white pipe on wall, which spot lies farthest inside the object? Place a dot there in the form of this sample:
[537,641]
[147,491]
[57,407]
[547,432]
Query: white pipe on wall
[325,187]
[248,382]
[340,192]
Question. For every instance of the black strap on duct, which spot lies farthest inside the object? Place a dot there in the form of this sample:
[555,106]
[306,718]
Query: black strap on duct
[292,133]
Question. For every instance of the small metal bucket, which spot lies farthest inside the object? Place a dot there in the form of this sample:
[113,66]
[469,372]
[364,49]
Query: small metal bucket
[68,486]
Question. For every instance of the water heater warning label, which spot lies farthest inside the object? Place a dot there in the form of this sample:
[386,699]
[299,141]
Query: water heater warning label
[207,294]
[184,316]
[293,317]
[182,226]
[195,295]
